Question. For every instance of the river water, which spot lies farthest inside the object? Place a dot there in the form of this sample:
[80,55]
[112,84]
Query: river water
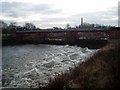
[25,66]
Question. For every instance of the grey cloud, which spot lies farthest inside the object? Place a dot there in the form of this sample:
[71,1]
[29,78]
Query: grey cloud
[101,17]
[119,13]
[55,20]
[18,9]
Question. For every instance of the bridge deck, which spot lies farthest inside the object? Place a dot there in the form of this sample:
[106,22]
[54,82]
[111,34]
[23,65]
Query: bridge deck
[65,30]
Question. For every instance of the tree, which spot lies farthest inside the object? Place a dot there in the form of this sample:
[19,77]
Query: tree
[12,26]
[20,28]
[76,26]
[3,25]
[30,26]
[68,26]
[57,28]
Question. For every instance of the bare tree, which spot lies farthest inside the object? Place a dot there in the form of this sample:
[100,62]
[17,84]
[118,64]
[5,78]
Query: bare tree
[68,26]
[29,26]
[3,25]
[12,26]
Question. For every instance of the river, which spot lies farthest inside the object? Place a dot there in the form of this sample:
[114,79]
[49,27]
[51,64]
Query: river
[25,66]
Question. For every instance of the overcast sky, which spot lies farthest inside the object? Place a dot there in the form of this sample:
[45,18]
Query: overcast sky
[57,13]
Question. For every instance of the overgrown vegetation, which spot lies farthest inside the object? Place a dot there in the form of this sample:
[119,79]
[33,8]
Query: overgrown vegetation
[99,71]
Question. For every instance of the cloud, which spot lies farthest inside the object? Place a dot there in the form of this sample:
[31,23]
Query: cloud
[106,17]
[46,15]
[19,9]
[119,14]
[109,17]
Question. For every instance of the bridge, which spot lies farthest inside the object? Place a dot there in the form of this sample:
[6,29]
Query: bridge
[74,35]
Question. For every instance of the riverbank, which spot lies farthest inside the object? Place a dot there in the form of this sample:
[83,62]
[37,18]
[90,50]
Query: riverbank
[99,71]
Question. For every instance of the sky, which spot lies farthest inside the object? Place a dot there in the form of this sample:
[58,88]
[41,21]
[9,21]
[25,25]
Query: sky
[58,13]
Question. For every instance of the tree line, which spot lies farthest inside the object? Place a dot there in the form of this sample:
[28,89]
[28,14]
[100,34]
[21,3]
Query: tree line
[13,26]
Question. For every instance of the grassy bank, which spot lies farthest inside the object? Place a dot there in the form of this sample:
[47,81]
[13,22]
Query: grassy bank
[99,71]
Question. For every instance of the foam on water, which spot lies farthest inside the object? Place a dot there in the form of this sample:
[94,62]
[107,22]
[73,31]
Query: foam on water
[28,65]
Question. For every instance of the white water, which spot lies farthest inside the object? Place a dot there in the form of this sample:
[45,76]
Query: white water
[25,66]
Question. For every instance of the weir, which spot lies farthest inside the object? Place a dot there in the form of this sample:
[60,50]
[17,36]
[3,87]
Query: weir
[73,36]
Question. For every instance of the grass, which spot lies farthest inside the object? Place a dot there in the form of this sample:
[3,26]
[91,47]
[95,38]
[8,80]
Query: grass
[99,71]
